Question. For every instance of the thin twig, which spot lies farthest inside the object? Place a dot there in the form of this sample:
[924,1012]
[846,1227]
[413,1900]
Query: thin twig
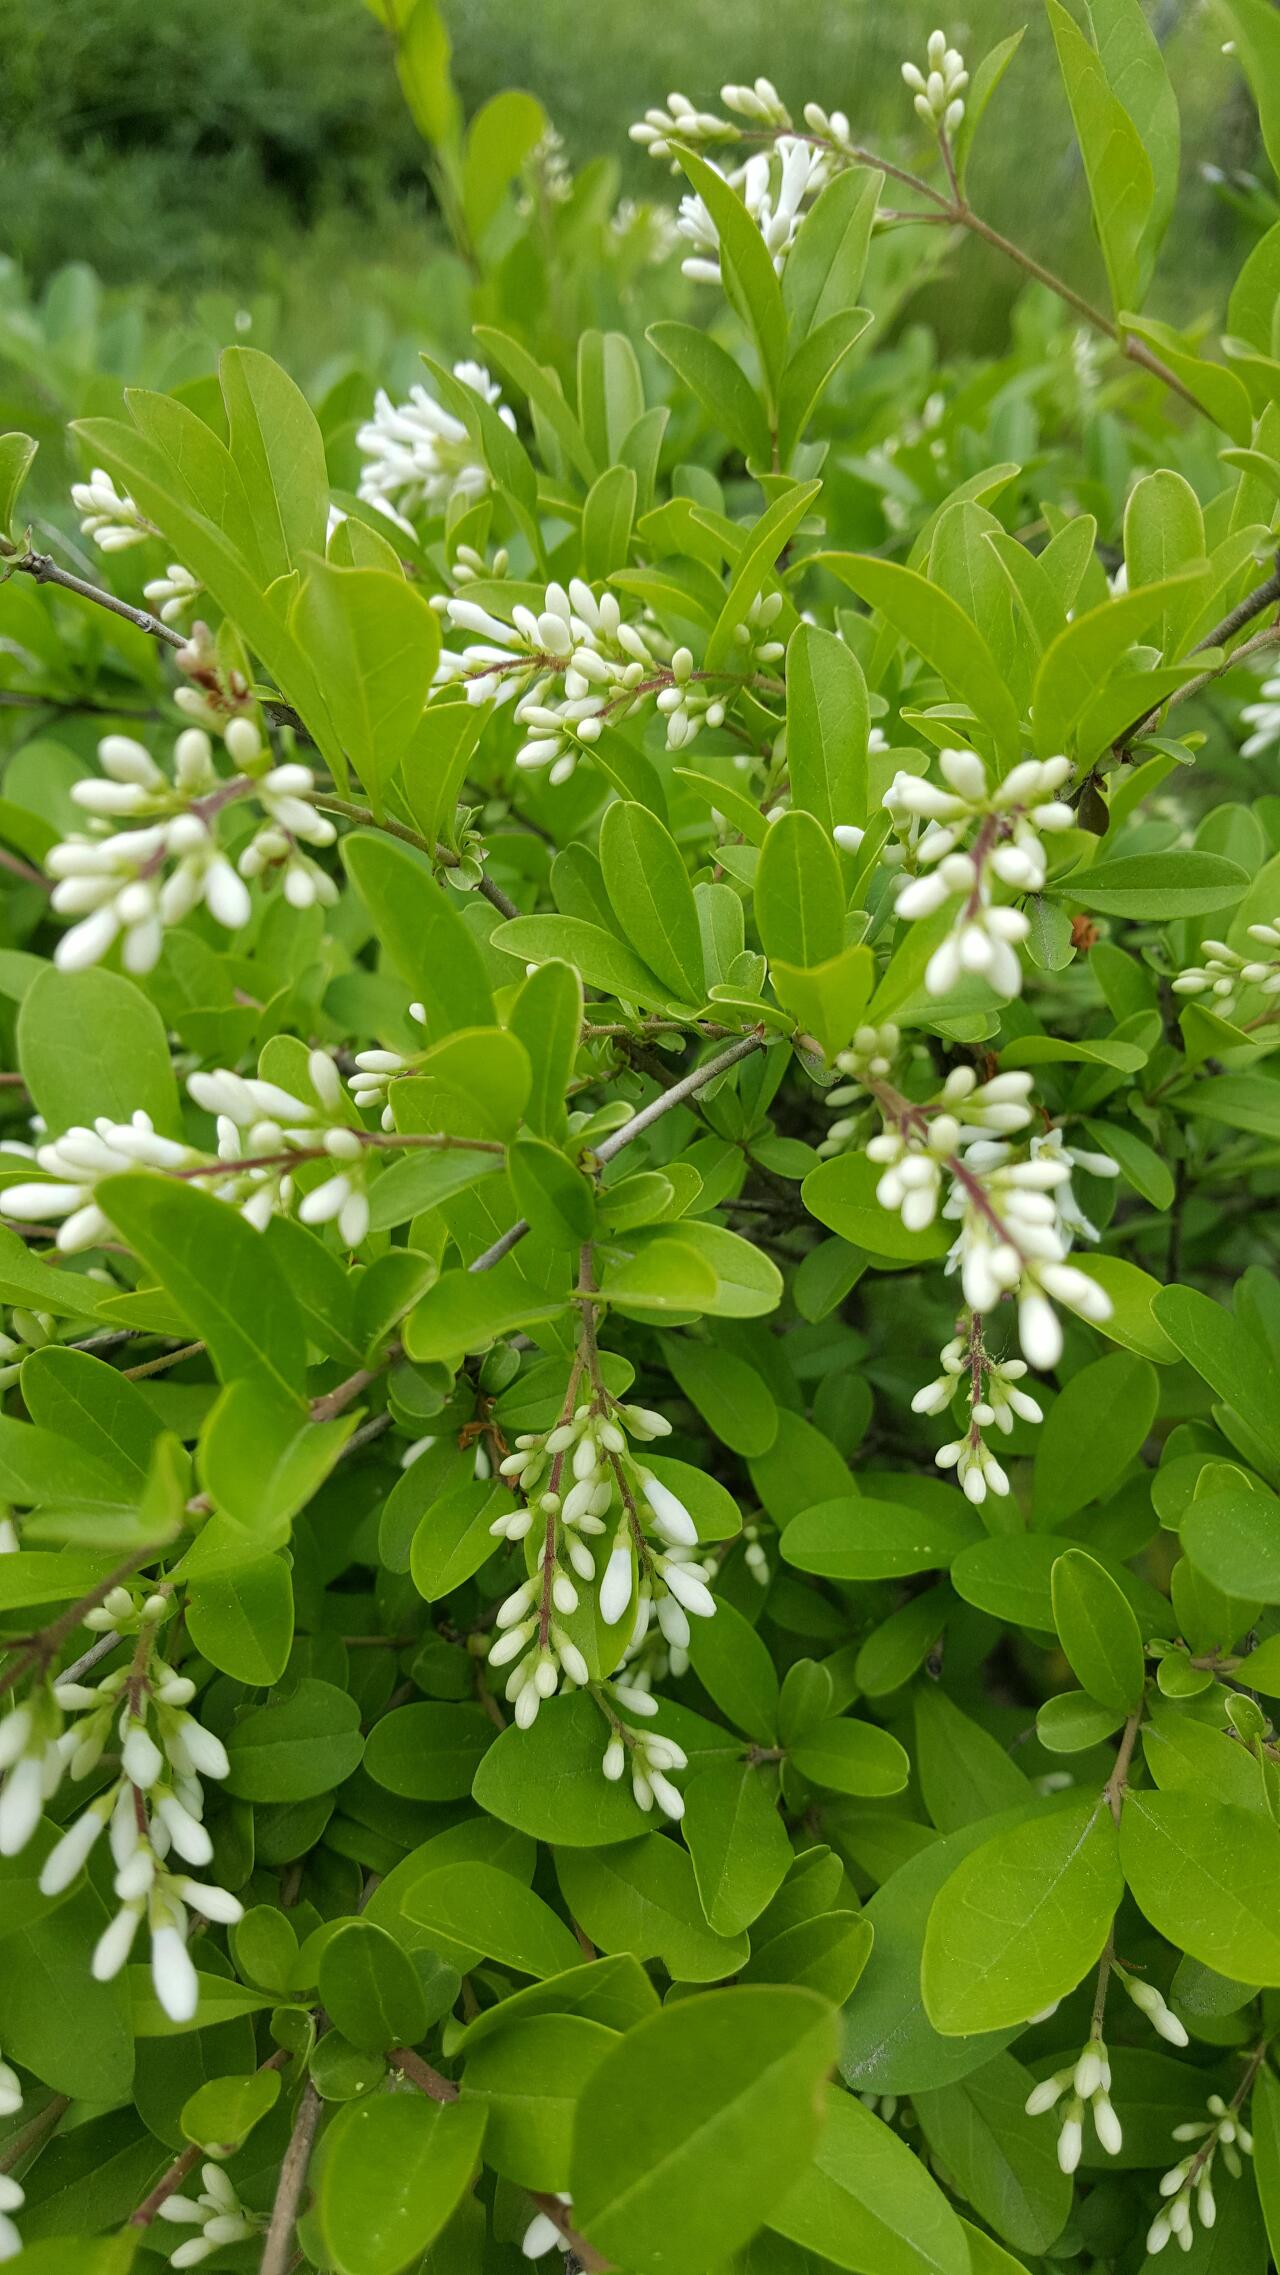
[46,571]
[293,2175]
[433,848]
[421,2074]
[44,1645]
[158,1366]
[687,1087]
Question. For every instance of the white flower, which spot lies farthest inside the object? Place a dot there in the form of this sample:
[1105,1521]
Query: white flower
[1264,718]
[217,2212]
[12,2199]
[1188,2185]
[418,456]
[1086,2085]
[937,91]
[173,594]
[1147,1999]
[10,2091]
[1003,824]
[108,515]
[681,122]
[542,2235]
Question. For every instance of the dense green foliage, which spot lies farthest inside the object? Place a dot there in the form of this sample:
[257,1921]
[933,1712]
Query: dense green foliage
[639,1452]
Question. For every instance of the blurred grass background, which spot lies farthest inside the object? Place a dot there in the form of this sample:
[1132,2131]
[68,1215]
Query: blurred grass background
[249,147]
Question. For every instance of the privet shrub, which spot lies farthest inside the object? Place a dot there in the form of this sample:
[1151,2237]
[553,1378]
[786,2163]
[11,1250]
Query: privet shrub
[640,1403]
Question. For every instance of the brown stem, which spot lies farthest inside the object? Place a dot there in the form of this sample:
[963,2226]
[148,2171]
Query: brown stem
[1114,1790]
[24,870]
[36,2131]
[166,2186]
[293,2175]
[421,2074]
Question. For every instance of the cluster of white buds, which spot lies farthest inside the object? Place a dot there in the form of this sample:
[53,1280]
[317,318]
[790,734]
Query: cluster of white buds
[418,456]
[1224,971]
[1010,1243]
[580,1483]
[218,2214]
[576,665]
[754,1556]
[833,126]
[259,1124]
[920,1145]
[137,880]
[257,1118]
[1149,2002]
[153,1810]
[995,1397]
[109,516]
[681,121]
[648,1756]
[468,565]
[1086,2085]
[938,90]
[869,1058]
[1070,1220]
[376,1070]
[1188,2185]
[75,1163]
[1264,718]
[173,594]
[1005,850]
[775,186]
[547,173]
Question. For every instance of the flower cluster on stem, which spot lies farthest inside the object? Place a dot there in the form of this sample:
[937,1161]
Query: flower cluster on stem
[131,882]
[1187,2187]
[151,1809]
[418,456]
[217,2213]
[577,665]
[1223,971]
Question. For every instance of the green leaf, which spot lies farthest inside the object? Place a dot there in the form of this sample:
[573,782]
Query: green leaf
[1257,43]
[1156,885]
[1022,1920]
[602,960]
[92,1407]
[89,1043]
[698,2122]
[428,1751]
[547,1018]
[842,1194]
[56,2020]
[938,628]
[422,932]
[276,444]
[867,2204]
[799,896]
[607,519]
[1264,2119]
[1234,1539]
[479,1904]
[1094,1429]
[745,264]
[1163,533]
[734,1666]
[16,454]
[546,395]
[652,897]
[1121,182]
[1098,1631]
[301,1745]
[373,644]
[734,1401]
[826,264]
[1088,649]
[1232,1361]
[1239,1101]
[1204,1873]
[1003,2162]
[965,1773]
[500,137]
[221,2114]
[643,1898]
[982,86]
[220,1273]
[859,1539]
[370,1988]
[529,2077]
[391,2169]
[720,384]
[732,1830]
[811,371]
[243,1624]
[851,1757]
[828,722]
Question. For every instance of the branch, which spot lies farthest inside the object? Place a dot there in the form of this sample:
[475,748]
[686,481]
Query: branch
[45,570]
[293,2175]
[687,1087]
[166,2186]
[1114,1790]
[44,1645]
[589,2260]
[420,2073]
